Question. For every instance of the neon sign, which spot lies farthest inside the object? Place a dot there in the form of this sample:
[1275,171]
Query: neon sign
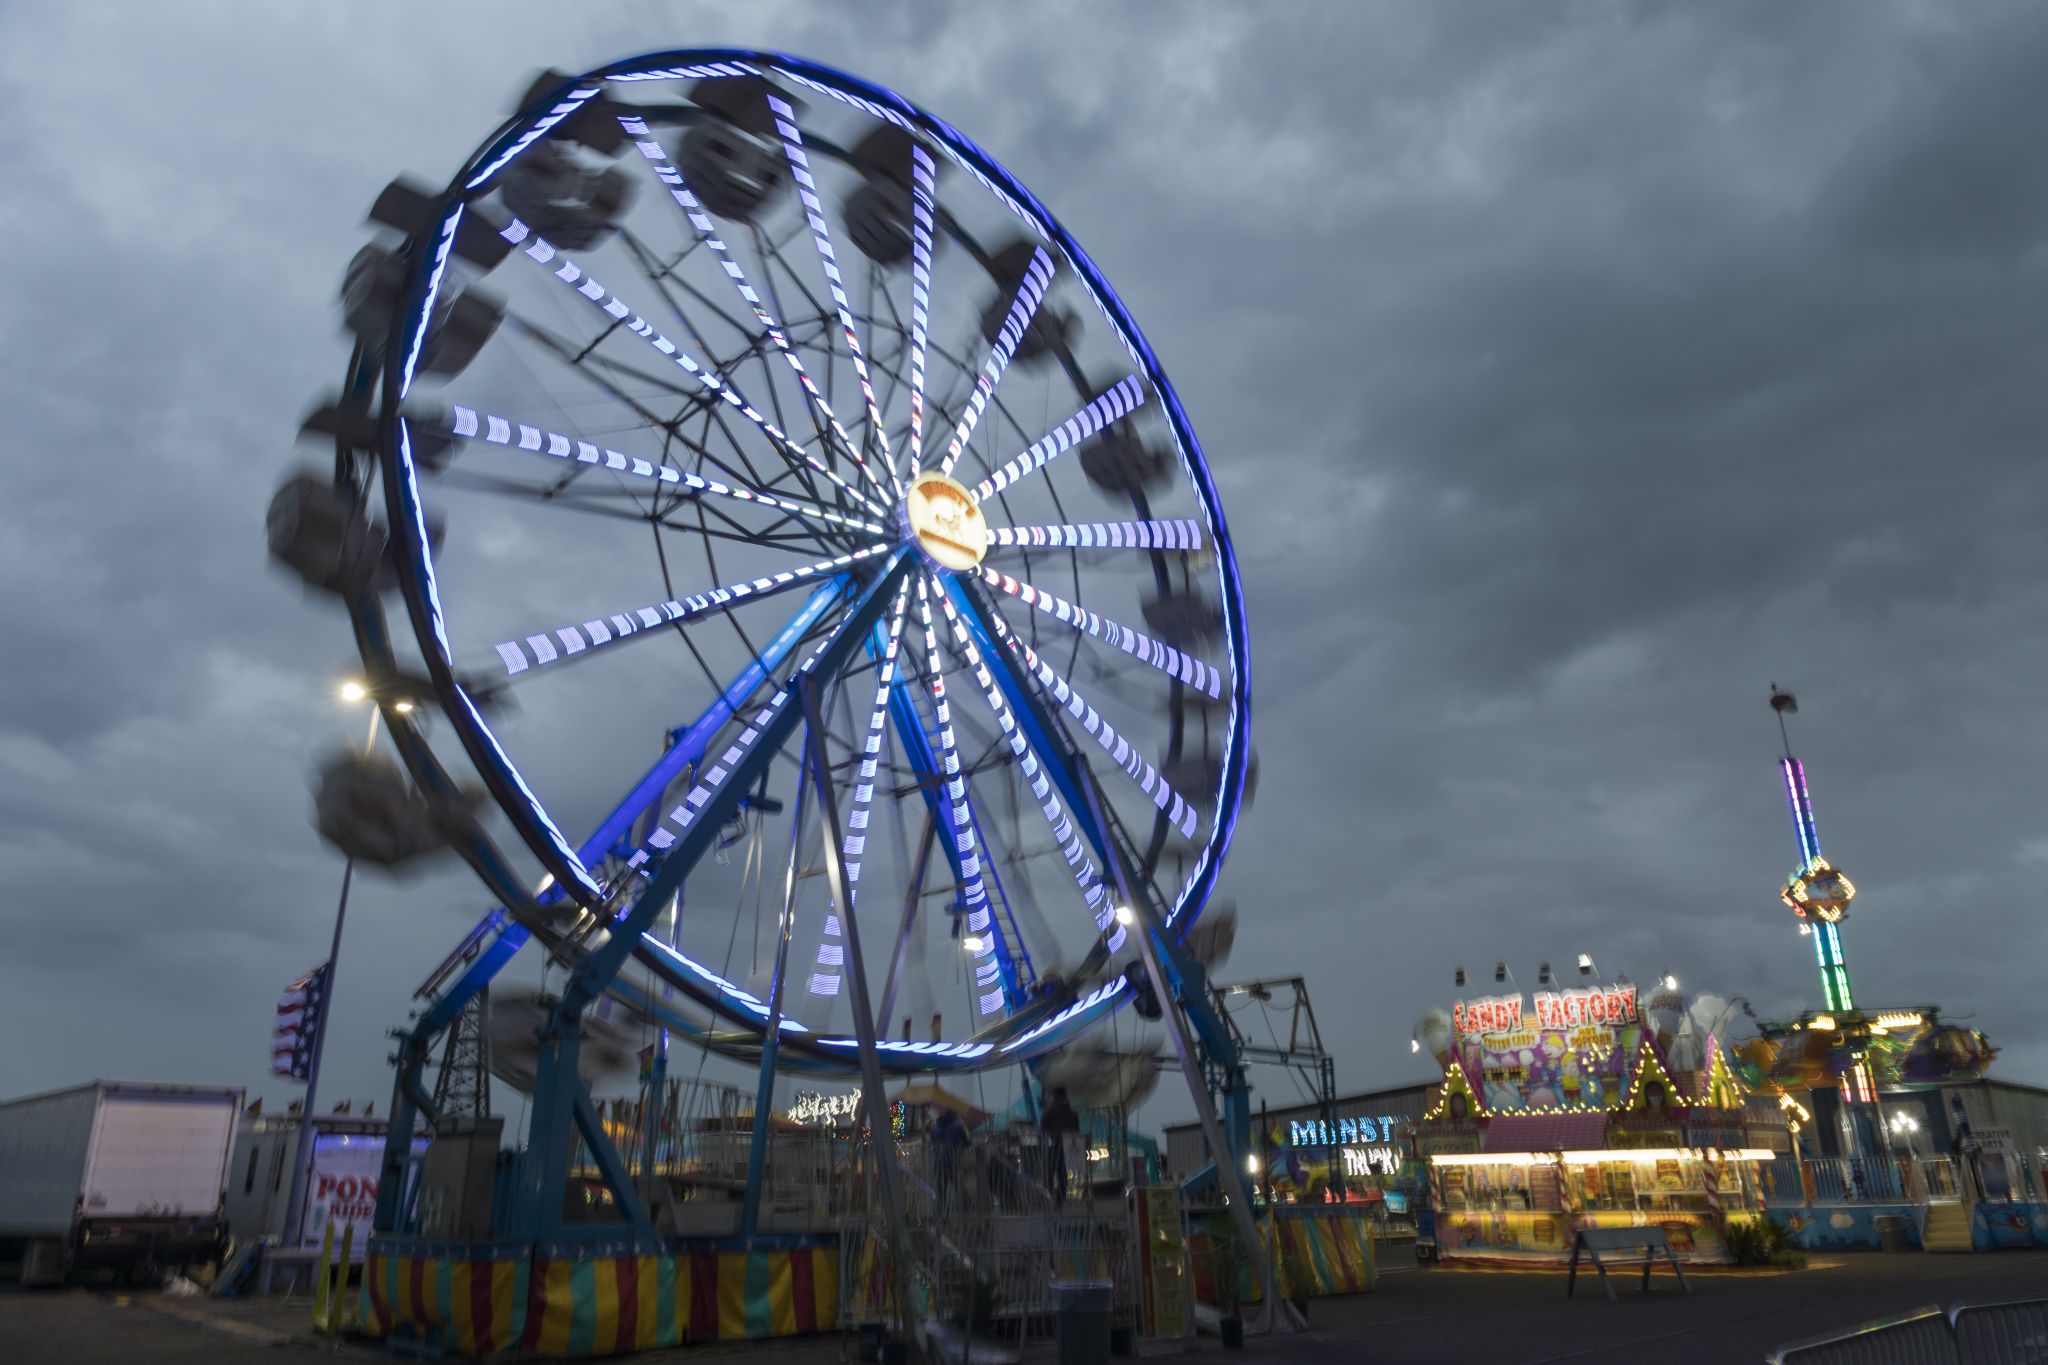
[1593,1005]
[1363,1161]
[1495,1014]
[1611,1005]
[812,1108]
[1344,1132]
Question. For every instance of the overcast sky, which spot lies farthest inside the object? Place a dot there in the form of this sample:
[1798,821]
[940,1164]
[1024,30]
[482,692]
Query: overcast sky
[1569,372]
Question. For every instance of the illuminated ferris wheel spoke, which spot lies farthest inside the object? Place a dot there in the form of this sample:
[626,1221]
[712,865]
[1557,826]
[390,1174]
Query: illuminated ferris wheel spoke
[1179,533]
[712,777]
[543,252]
[1121,399]
[853,849]
[1126,755]
[923,189]
[707,232]
[828,257]
[567,642]
[1137,644]
[981,926]
[1023,310]
[491,429]
[1066,834]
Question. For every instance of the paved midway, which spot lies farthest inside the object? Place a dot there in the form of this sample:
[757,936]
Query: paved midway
[1430,1317]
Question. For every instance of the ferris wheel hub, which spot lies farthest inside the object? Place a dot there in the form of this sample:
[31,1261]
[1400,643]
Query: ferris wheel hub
[942,516]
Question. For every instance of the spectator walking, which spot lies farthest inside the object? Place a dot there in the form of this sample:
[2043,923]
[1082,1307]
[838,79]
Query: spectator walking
[1058,1122]
[949,1137]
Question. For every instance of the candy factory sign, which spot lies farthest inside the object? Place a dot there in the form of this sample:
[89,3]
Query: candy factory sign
[1609,1005]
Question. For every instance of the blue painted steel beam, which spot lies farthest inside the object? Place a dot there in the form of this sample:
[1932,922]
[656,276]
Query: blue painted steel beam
[1186,982]
[688,748]
[544,1175]
[609,1164]
[931,781]
[1046,734]
[1035,719]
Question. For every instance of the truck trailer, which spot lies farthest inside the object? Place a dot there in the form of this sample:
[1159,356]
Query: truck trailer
[120,1175]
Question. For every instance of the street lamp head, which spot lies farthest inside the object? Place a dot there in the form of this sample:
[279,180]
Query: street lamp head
[1125,916]
[403,708]
[972,944]
[353,691]
[1670,982]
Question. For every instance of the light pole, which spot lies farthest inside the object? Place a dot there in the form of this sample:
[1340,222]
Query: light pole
[302,1155]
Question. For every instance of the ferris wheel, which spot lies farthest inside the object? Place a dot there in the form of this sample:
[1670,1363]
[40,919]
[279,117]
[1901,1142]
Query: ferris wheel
[728,414]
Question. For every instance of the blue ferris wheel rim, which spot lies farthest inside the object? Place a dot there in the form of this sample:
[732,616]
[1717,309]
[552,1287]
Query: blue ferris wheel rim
[417,581]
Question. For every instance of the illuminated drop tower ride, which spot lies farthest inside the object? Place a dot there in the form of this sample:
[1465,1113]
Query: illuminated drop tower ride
[1817,892]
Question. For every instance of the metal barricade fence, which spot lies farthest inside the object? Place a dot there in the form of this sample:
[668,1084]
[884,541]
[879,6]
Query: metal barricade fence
[2001,1333]
[1921,1337]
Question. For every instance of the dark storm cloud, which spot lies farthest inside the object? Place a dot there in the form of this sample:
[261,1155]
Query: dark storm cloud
[1569,372]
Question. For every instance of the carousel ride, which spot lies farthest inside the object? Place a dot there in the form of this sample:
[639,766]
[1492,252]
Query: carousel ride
[733,455]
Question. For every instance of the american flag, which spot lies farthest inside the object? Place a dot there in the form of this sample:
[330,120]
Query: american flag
[298,1018]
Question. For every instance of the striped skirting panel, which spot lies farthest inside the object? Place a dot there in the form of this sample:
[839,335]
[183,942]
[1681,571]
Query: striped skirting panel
[601,1305]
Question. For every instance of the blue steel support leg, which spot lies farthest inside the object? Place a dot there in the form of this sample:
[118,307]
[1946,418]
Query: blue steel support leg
[544,1174]
[1184,992]
[609,1163]
[392,1173]
[1074,781]
[924,764]
[1237,1116]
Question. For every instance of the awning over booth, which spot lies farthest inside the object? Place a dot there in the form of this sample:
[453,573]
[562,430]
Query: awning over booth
[1546,1133]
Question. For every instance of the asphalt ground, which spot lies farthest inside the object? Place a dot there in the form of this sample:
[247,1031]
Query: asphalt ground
[1438,1316]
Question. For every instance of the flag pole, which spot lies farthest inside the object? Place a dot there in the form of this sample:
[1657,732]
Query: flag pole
[302,1157]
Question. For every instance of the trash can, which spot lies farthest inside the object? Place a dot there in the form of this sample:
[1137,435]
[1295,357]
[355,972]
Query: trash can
[1081,1313]
[1894,1231]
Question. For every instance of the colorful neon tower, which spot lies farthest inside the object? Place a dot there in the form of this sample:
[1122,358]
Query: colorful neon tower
[1817,891]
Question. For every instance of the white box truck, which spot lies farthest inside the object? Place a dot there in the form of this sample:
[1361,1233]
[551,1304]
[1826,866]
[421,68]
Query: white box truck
[115,1174]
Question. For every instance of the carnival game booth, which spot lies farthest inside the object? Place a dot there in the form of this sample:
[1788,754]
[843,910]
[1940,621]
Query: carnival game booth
[1515,1169]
